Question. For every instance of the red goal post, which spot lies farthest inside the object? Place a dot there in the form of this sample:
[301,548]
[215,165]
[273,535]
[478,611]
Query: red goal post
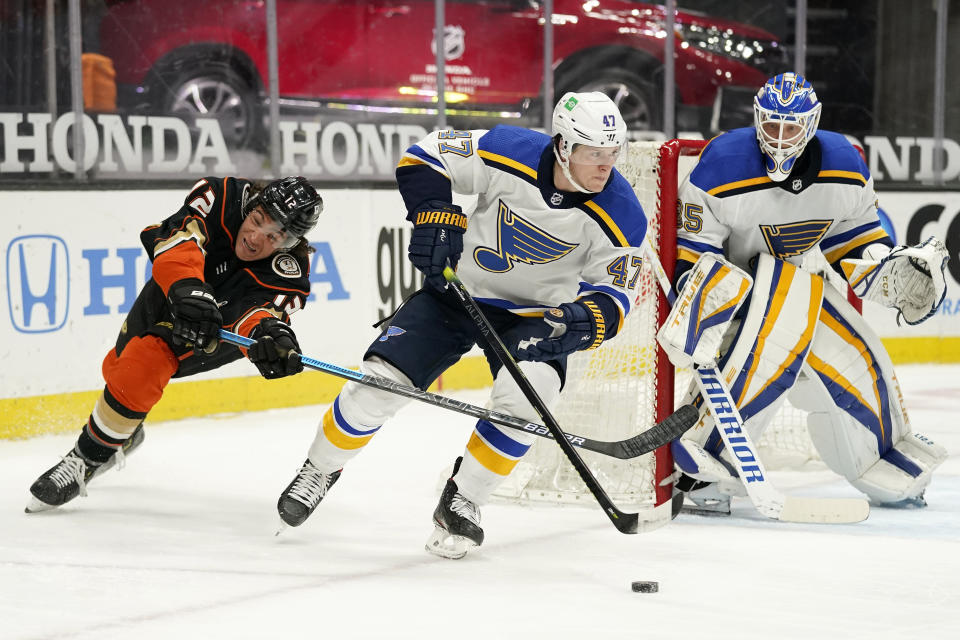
[668,202]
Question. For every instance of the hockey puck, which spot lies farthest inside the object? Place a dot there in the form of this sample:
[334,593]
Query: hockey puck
[645,586]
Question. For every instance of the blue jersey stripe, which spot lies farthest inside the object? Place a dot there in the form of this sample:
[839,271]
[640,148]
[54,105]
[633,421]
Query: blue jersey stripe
[417,151]
[698,247]
[840,238]
[617,295]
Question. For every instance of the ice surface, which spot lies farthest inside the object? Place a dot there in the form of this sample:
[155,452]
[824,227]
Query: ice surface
[181,544]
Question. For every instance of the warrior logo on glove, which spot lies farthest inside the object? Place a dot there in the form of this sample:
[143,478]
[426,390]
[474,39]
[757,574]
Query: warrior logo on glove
[437,240]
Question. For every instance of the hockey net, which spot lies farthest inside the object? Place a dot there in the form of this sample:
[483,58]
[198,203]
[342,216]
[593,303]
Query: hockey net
[628,384]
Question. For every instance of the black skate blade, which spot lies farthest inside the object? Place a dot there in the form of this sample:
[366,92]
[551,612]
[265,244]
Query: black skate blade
[710,512]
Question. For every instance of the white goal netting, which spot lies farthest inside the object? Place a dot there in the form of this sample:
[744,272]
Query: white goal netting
[611,392]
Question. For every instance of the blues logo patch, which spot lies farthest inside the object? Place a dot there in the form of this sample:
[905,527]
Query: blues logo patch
[793,239]
[286,265]
[519,241]
[390,332]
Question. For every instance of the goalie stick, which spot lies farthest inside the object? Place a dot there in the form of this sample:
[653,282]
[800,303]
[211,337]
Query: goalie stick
[658,435]
[624,522]
[766,498]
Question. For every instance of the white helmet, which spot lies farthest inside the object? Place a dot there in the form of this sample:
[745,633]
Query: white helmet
[589,119]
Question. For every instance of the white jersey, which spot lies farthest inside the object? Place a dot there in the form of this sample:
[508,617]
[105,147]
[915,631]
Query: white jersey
[728,205]
[529,246]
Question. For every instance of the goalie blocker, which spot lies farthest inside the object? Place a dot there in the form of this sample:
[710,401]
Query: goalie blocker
[801,337]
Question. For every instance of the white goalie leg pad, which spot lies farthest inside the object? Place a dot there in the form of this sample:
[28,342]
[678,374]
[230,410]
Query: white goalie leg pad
[492,453]
[859,424]
[764,357]
[355,416]
[711,296]
[846,448]
[764,360]
[908,279]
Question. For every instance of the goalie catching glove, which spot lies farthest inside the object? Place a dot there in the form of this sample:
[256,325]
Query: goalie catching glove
[713,292]
[276,351]
[437,239]
[574,326]
[908,279]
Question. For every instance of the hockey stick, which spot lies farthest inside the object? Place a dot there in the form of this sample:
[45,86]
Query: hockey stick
[624,522]
[658,435]
[766,498]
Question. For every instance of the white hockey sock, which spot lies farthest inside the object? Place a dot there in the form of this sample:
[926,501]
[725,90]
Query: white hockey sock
[355,416]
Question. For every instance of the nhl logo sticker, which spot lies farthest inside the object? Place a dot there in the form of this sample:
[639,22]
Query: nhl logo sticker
[453,42]
[286,265]
[556,199]
[797,184]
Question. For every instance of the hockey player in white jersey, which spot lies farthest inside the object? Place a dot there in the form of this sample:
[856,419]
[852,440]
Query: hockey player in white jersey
[556,228]
[763,198]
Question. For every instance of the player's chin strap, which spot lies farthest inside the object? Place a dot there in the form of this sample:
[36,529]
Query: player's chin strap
[653,438]
[565,168]
[908,279]
[766,498]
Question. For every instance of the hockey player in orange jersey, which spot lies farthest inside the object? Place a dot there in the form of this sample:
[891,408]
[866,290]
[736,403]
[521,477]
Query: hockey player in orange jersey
[233,256]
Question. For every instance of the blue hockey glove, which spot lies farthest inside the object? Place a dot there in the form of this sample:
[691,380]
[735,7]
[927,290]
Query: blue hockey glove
[437,239]
[575,326]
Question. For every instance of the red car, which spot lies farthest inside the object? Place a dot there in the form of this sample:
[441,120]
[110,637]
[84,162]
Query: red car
[376,56]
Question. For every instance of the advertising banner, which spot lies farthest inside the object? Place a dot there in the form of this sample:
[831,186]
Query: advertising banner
[73,265]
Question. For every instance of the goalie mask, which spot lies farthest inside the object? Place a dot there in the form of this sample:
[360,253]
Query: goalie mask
[587,129]
[786,112]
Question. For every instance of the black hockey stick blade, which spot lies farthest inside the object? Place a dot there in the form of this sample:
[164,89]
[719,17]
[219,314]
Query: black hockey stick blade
[671,428]
[624,522]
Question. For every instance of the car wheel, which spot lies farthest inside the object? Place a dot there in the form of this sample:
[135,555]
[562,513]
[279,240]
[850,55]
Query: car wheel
[635,97]
[218,93]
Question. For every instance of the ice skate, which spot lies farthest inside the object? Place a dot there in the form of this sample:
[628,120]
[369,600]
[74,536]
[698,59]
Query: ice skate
[61,483]
[457,523]
[303,495]
[708,500]
[67,479]
[704,498]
